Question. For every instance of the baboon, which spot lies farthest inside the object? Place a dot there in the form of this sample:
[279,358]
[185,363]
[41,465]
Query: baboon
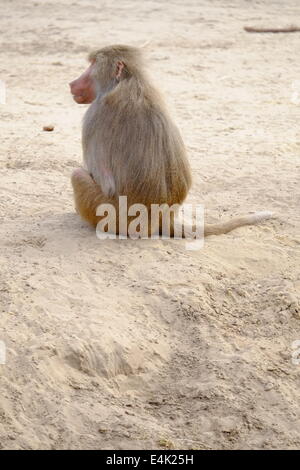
[131,147]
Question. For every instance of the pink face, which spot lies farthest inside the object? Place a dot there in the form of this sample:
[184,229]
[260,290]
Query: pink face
[83,88]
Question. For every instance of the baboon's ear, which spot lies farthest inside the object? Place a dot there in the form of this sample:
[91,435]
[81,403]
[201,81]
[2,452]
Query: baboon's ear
[119,70]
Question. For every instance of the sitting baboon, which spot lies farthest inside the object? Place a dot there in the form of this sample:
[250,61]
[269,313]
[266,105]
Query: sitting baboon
[131,147]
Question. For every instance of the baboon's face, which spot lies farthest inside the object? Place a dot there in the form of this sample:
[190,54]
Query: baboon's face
[83,88]
[102,74]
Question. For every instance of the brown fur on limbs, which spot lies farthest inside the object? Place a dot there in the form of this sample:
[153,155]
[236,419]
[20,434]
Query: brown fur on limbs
[88,196]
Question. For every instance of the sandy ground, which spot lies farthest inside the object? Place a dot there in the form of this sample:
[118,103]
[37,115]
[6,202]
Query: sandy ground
[143,344]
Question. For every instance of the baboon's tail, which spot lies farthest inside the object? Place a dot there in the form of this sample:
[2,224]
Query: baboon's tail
[225,227]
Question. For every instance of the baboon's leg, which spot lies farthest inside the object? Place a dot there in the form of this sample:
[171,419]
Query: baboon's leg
[88,196]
